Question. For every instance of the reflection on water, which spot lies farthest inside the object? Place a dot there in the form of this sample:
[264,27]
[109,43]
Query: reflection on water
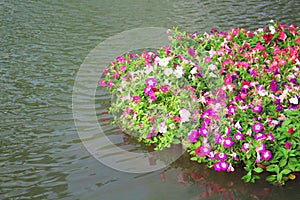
[42,45]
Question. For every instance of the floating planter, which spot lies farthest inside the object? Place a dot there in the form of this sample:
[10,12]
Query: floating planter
[230,98]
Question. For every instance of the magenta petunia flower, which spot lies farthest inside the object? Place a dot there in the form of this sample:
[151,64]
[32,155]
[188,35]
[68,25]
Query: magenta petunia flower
[267,155]
[287,145]
[193,136]
[257,109]
[136,98]
[231,109]
[258,127]
[203,132]
[148,91]
[246,146]
[270,137]
[164,88]
[221,156]
[176,118]
[150,83]
[122,68]
[218,138]
[238,136]
[191,52]
[261,148]
[260,136]
[227,142]
[217,166]
[227,131]
[224,165]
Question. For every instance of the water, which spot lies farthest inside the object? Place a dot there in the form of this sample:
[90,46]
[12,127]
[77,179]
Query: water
[42,45]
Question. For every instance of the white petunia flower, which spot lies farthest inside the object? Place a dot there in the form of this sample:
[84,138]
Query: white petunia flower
[272,29]
[178,72]
[163,61]
[194,70]
[184,115]
[168,71]
[294,100]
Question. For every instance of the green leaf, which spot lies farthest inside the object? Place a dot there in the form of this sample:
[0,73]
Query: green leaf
[282,162]
[258,170]
[285,171]
[273,168]
[279,177]
[271,178]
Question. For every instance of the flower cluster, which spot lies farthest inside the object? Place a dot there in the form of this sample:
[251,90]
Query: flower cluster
[230,97]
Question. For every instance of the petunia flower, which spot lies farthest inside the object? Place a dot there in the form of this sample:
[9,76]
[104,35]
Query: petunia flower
[168,71]
[224,165]
[102,83]
[238,136]
[287,145]
[291,130]
[184,115]
[202,151]
[217,166]
[231,109]
[193,136]
[270,137]
[267,155]
[110,84]
[164,88]
[257,108]
[294,100]
[221,156]
[273,86]
[259,136]
[261,148]
[246,146]
[150,83]
[203,132]
[227,143]
[258,127]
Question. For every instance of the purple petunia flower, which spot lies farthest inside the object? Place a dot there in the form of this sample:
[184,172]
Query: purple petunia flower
[191,52]
[279,108]
[257,109]
[148,91]
[221,156]
[228,142]
[258,127]
[273,86]
[267,155]
[193,136]
[238,136]
[150,82]
[203,132]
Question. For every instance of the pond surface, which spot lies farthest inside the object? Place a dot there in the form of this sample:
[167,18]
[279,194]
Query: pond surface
[42,46]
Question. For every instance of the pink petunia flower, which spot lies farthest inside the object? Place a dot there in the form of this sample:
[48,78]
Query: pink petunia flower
[102,83]
[270,137]
[202,151]
[164,88]
[110,84]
